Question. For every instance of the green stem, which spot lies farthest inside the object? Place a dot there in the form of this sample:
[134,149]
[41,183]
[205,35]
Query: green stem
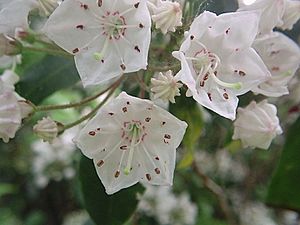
[48,51]
[77,104]
[90,114]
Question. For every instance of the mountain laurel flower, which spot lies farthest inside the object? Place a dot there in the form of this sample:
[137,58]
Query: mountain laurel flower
[132,140]
[217,60]
[167,15]
[264,125]
[46,129]
[165,87]
[282,57]
[10,114]
[107,37]
[271,13]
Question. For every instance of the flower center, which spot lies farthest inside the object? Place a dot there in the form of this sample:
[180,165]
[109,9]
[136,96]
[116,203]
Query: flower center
[113,25]
[205,64]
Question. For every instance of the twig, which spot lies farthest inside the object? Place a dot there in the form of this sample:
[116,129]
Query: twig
[218,192]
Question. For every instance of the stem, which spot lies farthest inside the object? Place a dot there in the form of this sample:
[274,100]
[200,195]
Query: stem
[92,113]
[153,68]
[218,192]
[77,104]
[48,51]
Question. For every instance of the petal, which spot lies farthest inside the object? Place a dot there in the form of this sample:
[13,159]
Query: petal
[243,66]
[230,31]
[71,29]
[271,13]
[282,57]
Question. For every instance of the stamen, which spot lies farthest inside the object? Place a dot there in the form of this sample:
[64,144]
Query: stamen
[237,85]
[100,55]
[131,150]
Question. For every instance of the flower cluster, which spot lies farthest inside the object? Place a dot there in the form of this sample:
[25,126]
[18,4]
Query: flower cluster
[130,139]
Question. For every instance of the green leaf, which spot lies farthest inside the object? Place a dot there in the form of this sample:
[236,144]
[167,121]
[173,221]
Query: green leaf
[44,77]
[105,209]
[7,189]
[284,190]
[187,109]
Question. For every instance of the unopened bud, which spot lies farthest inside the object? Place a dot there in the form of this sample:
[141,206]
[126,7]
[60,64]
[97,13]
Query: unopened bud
[47,129]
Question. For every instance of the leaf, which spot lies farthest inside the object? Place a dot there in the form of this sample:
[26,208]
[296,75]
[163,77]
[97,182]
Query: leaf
[187,109]
[106,209]
[284,190]
[7,189]
[44,77]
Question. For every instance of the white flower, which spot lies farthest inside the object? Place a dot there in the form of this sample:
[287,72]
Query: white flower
[167,15]
[46,129]
[180,211]
[255,213]
[165,87]
[262,128]
[271,13]
[217,61]
[54,161]
[132,140]
[10,115]
[167,208]
[291,14]
[282,57]
[108,38]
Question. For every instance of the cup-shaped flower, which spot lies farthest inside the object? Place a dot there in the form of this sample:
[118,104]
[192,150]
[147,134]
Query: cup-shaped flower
[47,129]
[165,87]
[166,15]
[282,57]
[132,140]
[262,128]
[107,37]
[271,13]
[10,115]
[218,62]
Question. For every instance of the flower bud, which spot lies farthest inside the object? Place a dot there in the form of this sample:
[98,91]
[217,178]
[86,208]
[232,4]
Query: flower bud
[257,125]
[167,16]
[46,129]
[165,87]
[9,46]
